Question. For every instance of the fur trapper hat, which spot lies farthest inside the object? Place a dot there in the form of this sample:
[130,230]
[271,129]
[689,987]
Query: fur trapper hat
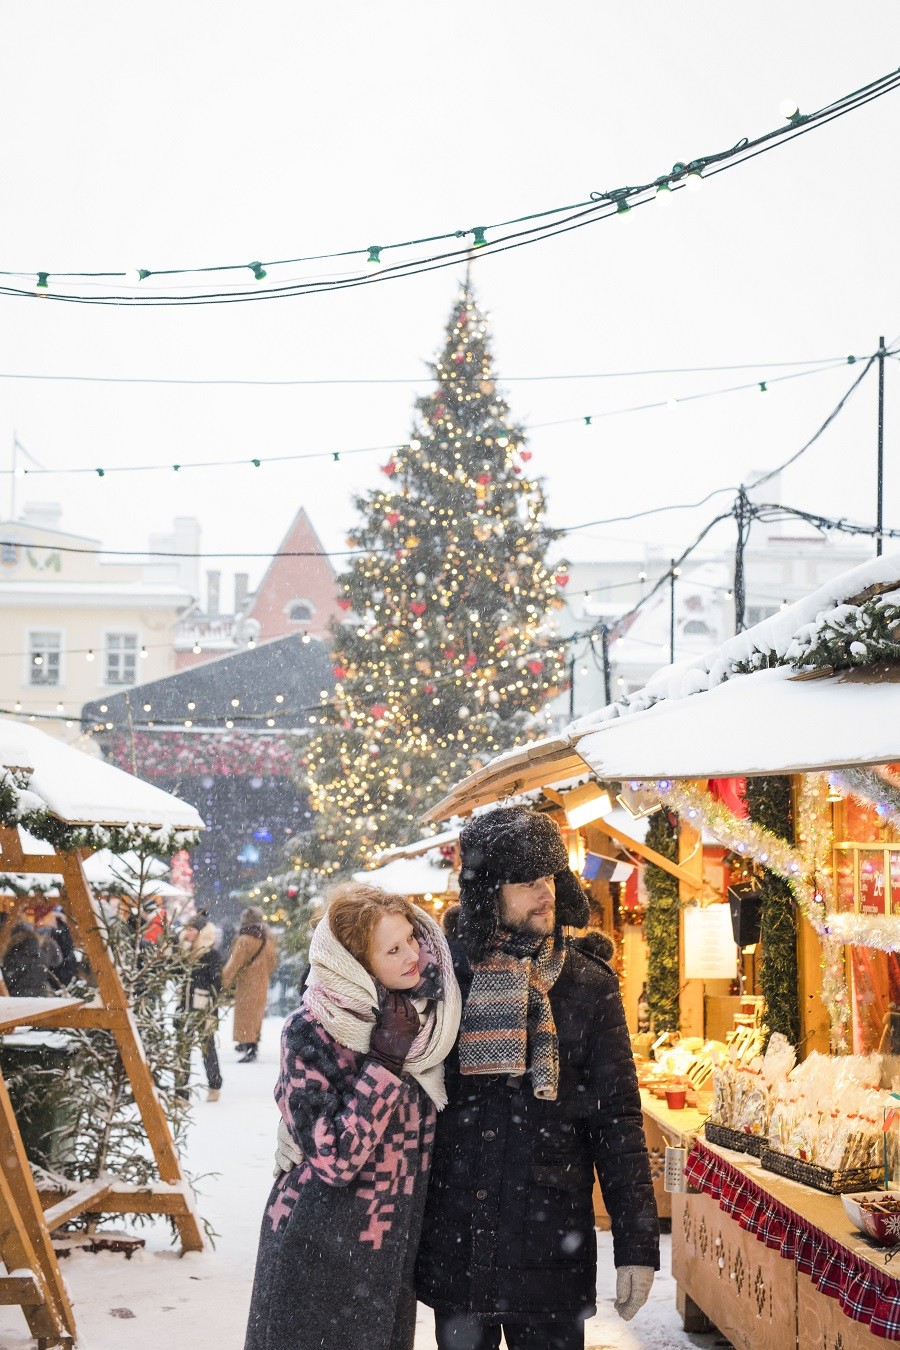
[512,844]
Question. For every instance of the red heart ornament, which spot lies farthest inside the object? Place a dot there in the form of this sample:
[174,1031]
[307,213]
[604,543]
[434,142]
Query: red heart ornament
[392,517]
[418,607]
[378,710]
[535,667]
[340,672]
[525,454]
[345,604]
[562,578]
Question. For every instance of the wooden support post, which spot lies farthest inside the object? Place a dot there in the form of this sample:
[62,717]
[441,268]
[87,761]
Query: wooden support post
[690,861]
[24,1240]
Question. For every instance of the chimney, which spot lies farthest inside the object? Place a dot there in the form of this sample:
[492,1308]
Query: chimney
[213,580]
[241,586]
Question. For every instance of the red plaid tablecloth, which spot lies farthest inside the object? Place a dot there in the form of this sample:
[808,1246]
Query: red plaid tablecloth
[863,1293]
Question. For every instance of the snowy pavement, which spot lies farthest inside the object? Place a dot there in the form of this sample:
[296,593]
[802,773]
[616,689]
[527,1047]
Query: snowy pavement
[158,1299]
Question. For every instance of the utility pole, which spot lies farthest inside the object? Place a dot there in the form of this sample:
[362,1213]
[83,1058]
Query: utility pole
[671,611]
[743,516]
[607,674]
[879,491]
[572,686]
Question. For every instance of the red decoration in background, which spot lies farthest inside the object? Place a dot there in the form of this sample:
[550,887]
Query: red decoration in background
[390,468]
[471,661]
[378,710]
[340,672]
[517,468]
[172,755]
[429,688]
[525,454]
[392,517]
[484,479]
[418,607]
[731,792]
[345,604]
[535,666]
[562,578]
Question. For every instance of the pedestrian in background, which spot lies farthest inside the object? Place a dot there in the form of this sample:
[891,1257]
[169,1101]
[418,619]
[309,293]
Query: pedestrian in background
[198,1017]
[249,968]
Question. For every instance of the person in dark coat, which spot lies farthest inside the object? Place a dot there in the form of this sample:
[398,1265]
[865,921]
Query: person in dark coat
[542,1091]
[200,938]
[57,944]
[24,969]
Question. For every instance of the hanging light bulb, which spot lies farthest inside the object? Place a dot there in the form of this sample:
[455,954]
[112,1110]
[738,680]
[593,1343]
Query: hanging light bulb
[790,109]
[694,181]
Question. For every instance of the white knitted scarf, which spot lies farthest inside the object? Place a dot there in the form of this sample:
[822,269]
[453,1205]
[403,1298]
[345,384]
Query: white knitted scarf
[341,994]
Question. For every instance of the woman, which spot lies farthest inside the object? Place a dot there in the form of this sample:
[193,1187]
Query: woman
[249,968]
[200,940]
[362,1075]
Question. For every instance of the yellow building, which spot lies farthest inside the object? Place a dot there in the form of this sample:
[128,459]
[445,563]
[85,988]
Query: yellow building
[73,626]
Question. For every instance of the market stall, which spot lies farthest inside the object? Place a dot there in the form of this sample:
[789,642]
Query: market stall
[782,746]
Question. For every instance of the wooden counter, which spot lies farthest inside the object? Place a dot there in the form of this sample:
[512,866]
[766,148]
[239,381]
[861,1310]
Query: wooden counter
[753,1295]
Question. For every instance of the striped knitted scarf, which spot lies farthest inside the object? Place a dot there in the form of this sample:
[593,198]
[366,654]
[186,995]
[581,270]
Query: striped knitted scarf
[507,1024]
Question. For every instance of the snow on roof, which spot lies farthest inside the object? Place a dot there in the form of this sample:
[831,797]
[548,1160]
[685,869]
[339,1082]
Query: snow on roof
[445,838]
[410,876]
[81,790]
[771,638]
[771,721]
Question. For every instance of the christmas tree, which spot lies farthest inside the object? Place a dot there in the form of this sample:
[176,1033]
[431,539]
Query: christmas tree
[446,656]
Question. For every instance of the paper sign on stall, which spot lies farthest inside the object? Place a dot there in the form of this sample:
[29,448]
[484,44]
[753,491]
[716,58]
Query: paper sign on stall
[709,949]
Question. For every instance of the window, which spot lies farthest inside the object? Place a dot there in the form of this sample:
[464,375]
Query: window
[697,628]
[300,611]
[121,658]
[45,658]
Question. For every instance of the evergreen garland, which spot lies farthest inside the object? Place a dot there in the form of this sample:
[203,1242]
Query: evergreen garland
[770,805]
[661,926]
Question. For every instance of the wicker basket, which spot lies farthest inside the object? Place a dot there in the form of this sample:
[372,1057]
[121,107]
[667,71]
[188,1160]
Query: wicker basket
[821,1178]
[726,1137]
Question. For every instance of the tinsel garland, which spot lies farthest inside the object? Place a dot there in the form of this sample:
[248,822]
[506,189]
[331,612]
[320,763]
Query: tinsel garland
[871,788]
[750,840]
[661,927]
[769,806]
[20,806]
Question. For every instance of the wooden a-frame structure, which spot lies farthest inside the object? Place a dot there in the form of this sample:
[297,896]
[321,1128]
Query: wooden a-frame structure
[32,1276]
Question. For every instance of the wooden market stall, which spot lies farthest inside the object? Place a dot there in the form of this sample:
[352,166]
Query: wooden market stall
[810,698]
[72,804]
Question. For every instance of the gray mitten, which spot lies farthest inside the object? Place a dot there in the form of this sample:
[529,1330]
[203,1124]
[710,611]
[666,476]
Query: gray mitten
[287,1154]
[633,1285]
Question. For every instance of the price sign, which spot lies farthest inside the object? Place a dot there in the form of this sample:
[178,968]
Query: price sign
[709,948]
[873,889]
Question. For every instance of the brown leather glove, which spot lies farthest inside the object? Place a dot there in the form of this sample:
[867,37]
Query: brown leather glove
[394,1032]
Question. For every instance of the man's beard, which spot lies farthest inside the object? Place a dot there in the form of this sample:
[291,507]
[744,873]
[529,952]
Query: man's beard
[531,926]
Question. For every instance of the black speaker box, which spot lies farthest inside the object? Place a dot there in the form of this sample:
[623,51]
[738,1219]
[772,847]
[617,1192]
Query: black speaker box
[744,901]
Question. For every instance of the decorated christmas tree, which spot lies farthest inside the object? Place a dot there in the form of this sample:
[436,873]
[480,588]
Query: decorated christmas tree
[447,655]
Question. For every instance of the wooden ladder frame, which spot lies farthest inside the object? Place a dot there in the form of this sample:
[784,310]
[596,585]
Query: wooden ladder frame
[110,1011]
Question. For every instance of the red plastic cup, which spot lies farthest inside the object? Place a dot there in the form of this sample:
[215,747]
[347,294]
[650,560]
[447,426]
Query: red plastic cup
[675,1098]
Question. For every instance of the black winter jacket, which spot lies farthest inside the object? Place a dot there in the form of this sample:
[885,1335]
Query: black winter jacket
[509,1225]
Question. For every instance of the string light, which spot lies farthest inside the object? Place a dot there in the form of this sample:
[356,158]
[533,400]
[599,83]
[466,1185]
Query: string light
[516,232]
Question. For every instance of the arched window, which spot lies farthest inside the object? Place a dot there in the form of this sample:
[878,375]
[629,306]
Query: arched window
[300,611]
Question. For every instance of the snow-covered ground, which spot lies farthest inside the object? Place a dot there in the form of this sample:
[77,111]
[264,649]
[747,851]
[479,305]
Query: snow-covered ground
[158,1299]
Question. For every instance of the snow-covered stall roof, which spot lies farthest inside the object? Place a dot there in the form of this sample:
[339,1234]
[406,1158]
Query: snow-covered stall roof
[410,876]
[442,840]
[767,722]
[81,790]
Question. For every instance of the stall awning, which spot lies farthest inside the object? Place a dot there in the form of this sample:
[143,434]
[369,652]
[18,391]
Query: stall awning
[83,790]
[410,876]
[538,764]
[770,722]
[418,846]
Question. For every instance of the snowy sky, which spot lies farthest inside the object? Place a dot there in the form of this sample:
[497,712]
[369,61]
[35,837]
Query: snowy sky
[168,134]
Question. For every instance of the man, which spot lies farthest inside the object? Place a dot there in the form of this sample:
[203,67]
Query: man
[542,1090]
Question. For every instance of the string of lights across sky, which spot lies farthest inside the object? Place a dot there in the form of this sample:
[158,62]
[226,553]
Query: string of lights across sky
[34,469]
[192,285]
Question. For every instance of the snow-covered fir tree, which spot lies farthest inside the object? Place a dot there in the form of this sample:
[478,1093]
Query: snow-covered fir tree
[447,655]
